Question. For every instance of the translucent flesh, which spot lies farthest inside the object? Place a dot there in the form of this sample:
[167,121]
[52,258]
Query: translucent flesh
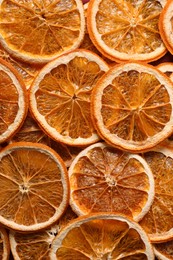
[31,187]
[31,132]
[159,220]
[107,180]
[63,97]
[26,70]
[9,97]
[135,106]
[130,27]
[102,239]
[40,27]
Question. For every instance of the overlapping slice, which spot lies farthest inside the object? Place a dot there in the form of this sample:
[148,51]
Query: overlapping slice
[158,222]
[60,97]
[4,244]
[164,251]
[132,106]
[26,70]
[37,245]
[38,31]
[165,25]
[126,30]
[102,236]
[105,179]
[167,68]
[13,101]
[31,132]
[34,186]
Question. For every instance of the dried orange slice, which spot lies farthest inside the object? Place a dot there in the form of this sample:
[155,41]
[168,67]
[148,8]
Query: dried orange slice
[13,101]
[26,70]
[38,31]
[167,68]
[37,245]
[158,222]
[164,251]
[4,244]
[60,97]
[34,186]
[103,178]
[165,25]
[132,106]
[127,30]
[31,132]
[102,236]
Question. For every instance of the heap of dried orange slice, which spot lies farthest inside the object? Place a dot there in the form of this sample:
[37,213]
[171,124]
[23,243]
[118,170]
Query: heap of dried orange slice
[86,129]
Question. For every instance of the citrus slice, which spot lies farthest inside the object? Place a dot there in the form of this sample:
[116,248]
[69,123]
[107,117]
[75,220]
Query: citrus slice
[37,245]
[26,70]
[13,101]
[105,179]
[4,244]
[164,251]
[38,31]
[165,25]
[102,236]
[60,97]
[31,132]
[158,222]
[167,68]
[132,106]
[34,186]
[127,30]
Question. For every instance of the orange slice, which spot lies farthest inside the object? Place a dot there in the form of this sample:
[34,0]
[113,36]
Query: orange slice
[132,106]
[13,101]
[26,70]
[31,132]
[102,236]
[164,251]
[60,97]
[165,25]
[39,31]
[127,30]
[34,186]
[4,244]
[37,245]
[158,222]
[103,178]
[167,68]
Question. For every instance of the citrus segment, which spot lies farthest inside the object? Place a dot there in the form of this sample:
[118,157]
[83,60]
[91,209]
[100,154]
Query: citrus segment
[38,31]
[132,106]
[4,244]
[13,101]
[60,97]
[106,179]
[101,236]
[34,186]
[158,222]
[127,30]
